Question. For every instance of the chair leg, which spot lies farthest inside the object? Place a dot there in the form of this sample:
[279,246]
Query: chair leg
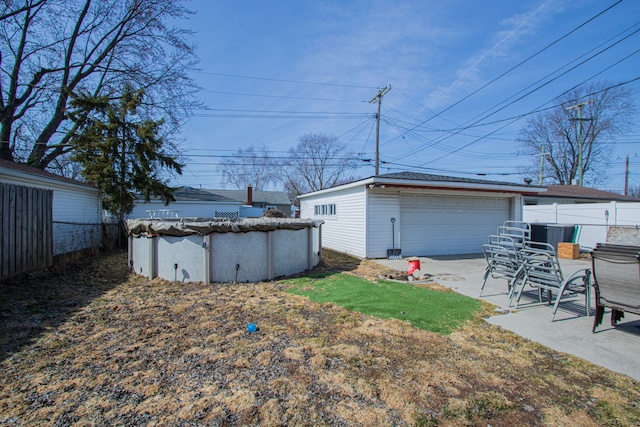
[513,284]
[616,315]
[587,292]
[518,294]
[557,302]
[598,317]
[484,282]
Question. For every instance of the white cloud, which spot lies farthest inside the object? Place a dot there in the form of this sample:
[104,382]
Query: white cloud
[511,34]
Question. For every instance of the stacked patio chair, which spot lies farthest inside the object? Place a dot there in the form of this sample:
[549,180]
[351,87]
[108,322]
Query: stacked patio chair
[541,270]
[502,253]
[524,226]
[502,262]
[616,272]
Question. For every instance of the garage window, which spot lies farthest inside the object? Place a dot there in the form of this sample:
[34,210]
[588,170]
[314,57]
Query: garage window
[325,210]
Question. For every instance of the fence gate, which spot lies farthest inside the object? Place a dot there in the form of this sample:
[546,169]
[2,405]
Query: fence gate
[26,227]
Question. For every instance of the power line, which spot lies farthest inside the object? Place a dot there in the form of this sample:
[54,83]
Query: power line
[290,116]
[281,96]
[521,63]
[502,127]
[285,80]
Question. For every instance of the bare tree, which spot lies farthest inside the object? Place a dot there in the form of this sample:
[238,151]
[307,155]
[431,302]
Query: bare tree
[607,112]
[635,191]
[52,48]
[317,162]
[250,166]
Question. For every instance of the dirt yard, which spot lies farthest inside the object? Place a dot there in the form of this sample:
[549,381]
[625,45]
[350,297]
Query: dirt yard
[89,344]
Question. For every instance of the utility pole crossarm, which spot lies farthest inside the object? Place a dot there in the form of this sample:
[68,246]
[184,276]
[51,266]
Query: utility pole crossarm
[378,98]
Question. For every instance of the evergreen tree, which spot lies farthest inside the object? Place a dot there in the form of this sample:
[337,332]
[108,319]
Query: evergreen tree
[124,155]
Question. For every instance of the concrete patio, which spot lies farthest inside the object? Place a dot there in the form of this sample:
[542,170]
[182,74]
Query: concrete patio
[614,348]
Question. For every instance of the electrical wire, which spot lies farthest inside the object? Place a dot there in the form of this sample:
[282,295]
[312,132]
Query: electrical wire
[285,80]
[523,62]
[280,96]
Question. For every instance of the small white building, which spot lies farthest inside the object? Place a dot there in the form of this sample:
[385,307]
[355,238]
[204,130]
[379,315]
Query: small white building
[77,206]
[420,214]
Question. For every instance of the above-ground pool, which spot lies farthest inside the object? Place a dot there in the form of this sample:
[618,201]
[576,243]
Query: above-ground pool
[212,250]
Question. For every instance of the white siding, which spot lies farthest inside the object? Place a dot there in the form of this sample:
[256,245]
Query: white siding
[82,207]
[77,216]
[382,206]
[516,208]
[345,231]
[184,209]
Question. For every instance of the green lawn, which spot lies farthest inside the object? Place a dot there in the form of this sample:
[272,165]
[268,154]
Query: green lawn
[440,312]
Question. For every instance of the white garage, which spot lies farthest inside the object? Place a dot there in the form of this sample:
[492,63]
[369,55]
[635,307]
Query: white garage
[432,214]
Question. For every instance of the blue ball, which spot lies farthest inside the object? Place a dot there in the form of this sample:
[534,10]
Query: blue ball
[252,327]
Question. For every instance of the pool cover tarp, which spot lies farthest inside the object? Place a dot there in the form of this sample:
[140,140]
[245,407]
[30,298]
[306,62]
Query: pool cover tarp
[203,226]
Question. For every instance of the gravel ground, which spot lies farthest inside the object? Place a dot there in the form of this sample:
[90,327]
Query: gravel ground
[89,344]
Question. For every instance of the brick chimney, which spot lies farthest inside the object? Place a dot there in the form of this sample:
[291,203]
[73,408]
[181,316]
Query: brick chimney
[250,195]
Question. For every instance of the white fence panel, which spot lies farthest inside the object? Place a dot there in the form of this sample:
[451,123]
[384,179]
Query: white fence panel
[593,219]
[613,213]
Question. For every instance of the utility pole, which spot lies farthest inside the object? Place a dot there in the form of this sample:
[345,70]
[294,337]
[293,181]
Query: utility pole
[580,119]
[541,165]
[378,98]
[626,177]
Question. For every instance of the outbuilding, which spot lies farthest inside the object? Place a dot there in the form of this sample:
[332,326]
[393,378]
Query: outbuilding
[421,214]
[76,206]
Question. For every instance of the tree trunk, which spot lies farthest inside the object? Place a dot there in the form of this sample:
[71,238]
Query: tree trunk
[6,153]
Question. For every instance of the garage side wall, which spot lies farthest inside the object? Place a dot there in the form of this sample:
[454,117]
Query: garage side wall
[382,206]
[344,231]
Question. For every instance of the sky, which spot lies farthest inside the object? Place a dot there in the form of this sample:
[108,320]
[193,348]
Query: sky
[464,76]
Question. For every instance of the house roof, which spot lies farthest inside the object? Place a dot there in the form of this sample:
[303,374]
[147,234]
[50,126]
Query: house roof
[269,197]
[422,180]
[416,176]
[189,194]
[21,169]
[580,192]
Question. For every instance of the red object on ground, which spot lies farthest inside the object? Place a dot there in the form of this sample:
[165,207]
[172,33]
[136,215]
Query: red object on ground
[413,266]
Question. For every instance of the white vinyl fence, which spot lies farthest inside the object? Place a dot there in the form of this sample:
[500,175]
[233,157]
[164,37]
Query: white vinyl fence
[592,219]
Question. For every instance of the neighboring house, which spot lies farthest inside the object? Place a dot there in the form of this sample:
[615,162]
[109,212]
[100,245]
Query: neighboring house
[77,206]
[434,215]
[260,200]
[574,194]
[190,203]
[210,203]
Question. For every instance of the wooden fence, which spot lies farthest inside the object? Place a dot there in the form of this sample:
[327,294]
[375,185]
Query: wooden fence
[27,229]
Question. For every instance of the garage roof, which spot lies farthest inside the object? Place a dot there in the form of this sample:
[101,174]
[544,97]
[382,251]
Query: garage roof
[422,180]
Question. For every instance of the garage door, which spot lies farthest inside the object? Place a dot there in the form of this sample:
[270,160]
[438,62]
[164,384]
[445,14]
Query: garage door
[442,225]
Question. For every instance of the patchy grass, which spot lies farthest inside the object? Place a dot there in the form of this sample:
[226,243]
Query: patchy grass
[88,344]
[434,311]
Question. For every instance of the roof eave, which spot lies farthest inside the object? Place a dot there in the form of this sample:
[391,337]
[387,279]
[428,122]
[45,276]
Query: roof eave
[444,185]
[348,186]
[457,185]
[28,177]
